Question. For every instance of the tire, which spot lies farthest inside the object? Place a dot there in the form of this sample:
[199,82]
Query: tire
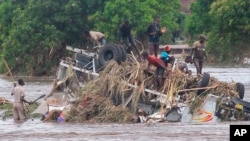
[122,53]
[203,82]
[240,88]
[107,53]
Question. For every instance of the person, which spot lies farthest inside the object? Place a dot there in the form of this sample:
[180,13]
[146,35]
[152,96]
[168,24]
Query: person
[154,31]
[198,53]
[127,38]
[160,68]
[183,67]
[164,55]
[97,37]
[19,113]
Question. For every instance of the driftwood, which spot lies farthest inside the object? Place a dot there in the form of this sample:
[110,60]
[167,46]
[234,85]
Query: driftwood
[194,89]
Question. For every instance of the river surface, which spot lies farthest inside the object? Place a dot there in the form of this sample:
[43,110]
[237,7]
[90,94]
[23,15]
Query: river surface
[35,130]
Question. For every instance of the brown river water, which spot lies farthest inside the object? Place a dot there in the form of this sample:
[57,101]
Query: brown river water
[35,130]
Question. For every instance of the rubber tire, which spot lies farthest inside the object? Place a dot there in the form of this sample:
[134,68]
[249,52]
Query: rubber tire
[204,82]
[107,53]
[240,88]
[122,53]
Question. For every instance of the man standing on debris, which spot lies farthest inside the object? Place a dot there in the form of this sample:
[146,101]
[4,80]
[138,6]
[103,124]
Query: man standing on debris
[160,68]
[154,31]
[127,38]
[199,53]
[18,106]
[98,37]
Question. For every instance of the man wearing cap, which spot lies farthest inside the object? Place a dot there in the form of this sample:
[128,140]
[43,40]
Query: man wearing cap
[18,106]
[198,53]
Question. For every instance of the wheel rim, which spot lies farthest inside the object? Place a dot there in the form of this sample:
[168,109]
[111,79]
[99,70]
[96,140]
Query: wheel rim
[108,55]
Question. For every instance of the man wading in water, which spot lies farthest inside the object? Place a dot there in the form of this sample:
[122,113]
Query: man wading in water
[198,52]
[19,113]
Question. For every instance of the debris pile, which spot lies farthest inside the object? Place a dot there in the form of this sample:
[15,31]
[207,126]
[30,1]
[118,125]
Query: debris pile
[114,95]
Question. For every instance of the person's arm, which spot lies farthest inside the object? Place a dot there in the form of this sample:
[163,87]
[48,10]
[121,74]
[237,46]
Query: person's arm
[205,54]
[160,31]
[193,49]
[186,68]
[12,92]
[24,100]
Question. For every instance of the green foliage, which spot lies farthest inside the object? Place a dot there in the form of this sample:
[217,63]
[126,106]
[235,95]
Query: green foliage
[139,12]
[226,23]
[199,21]
[230,37]
[30,28]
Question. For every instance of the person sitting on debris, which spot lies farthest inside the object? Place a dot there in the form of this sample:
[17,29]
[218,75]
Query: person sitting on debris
[98,37]
[183,67]
[160,67]
[19,113]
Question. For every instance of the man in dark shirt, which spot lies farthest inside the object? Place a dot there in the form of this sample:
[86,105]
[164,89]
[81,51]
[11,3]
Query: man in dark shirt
[154,31]
[127,38]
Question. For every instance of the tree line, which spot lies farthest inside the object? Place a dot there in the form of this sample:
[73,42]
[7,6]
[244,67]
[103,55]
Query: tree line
[29,29]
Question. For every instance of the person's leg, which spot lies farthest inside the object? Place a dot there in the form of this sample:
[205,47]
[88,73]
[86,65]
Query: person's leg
[156,78]
[200,65]
[197,66]
[151,48]
[125,40]
[132,41]
[15,113]
[160,77]
[156,49]
[21,112]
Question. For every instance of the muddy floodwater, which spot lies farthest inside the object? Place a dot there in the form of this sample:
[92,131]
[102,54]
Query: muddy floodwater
[35,130]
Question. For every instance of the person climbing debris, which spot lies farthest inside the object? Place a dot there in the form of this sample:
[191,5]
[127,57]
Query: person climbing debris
[160,68]
[127,38]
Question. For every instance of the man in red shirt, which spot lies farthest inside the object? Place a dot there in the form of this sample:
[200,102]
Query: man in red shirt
[160,68]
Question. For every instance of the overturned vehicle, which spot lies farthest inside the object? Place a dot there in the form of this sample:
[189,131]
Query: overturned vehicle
[112,86]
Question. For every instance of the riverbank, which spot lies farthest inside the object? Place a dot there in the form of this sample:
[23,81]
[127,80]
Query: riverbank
[28,78]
